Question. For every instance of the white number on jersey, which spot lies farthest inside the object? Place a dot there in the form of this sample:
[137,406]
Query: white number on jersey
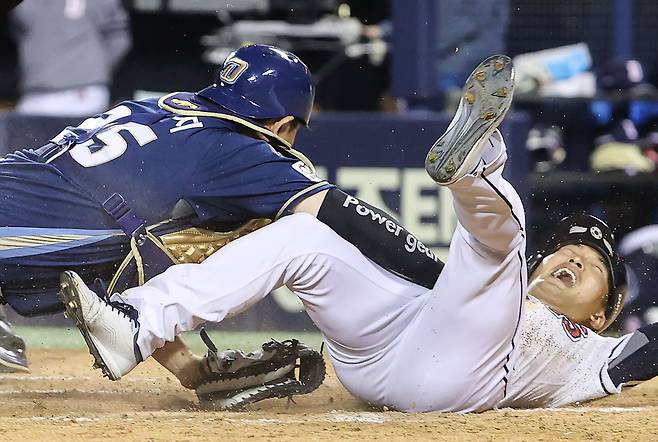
[114,141]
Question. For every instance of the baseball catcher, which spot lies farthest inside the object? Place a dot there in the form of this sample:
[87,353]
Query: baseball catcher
[485,335]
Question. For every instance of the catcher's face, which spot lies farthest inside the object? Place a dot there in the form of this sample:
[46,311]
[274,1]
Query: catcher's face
[574,282]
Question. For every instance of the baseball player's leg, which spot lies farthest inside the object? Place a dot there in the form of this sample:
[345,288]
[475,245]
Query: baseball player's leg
[468,158]
[300,252]
[360,308]
[465,334]
[489,210]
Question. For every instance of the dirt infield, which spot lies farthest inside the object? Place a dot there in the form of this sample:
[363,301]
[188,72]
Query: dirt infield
[64,399]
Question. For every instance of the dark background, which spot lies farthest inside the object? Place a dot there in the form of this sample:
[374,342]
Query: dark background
[166,51]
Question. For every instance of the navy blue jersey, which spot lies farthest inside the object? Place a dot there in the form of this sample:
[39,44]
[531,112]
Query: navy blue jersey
[154,158]
[51,200]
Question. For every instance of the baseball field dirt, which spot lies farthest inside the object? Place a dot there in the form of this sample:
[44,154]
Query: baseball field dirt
[63,399]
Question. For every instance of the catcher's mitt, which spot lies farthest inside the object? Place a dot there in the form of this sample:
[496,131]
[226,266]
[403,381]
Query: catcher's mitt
[236,379]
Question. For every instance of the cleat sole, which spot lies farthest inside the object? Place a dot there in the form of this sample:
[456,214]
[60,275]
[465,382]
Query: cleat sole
[480,111]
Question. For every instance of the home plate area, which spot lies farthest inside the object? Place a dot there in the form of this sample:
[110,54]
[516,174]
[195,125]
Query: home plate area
[64,399]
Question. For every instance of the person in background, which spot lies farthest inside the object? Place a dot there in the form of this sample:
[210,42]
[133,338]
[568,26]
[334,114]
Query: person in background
[67,52]
[468,31]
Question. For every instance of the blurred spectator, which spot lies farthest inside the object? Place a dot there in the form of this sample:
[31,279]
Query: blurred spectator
[67,51]
[468,32]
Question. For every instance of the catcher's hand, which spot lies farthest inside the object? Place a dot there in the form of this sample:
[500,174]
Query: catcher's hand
[236,379]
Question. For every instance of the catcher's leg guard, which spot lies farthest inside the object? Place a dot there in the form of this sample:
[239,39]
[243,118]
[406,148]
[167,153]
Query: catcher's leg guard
[487,96]
[12,348]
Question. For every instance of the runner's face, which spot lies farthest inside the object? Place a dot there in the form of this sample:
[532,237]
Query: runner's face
[574,282]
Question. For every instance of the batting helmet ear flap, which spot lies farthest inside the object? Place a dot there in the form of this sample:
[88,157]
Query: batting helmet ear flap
[534,260]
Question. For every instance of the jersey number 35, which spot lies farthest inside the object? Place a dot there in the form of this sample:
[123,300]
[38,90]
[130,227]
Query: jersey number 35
[112,137]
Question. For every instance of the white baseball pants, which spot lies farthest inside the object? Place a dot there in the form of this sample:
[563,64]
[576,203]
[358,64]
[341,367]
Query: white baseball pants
[391,342]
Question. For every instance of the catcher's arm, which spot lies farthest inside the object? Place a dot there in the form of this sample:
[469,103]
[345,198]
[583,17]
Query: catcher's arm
[376,234]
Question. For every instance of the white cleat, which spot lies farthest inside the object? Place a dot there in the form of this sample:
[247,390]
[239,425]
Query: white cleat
[109,329]
[486,98]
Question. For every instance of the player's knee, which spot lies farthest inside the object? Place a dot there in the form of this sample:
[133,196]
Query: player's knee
[306,229]
[299,219]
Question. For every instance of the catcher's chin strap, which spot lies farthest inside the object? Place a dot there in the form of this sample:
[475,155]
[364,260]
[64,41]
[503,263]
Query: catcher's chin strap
[279,369]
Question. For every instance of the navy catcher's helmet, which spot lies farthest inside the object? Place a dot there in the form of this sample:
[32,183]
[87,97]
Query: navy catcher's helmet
[589,230]
[262,82]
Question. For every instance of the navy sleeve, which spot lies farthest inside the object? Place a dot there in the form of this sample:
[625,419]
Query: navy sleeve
[245,178]
[638,361]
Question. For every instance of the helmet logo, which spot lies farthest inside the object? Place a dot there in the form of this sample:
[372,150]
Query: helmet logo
[232,69]
[596,232]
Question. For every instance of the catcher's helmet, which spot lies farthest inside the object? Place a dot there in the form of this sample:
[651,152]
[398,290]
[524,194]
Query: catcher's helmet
[589,230]
[262,82]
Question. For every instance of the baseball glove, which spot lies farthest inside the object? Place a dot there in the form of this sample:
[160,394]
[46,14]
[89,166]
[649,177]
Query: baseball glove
[236,380]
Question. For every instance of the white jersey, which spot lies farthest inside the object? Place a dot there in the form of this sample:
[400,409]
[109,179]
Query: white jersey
[559,362]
